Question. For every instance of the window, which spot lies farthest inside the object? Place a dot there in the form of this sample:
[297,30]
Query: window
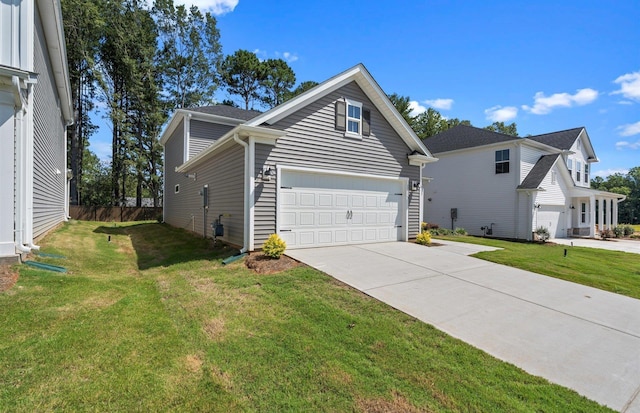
[502,161]
[177,189]
[586,173]
[570,166]
[554,177]
[578,171]
[578,144]
[583,212]
[354,117]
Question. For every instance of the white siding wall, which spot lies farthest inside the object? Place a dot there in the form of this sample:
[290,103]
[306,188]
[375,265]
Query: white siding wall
[49,175]
[554,207]
[467,181]
[313,142]
[528,158]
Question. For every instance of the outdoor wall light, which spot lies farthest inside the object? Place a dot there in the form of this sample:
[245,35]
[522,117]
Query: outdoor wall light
[572,207]
[266,173]
[191,176]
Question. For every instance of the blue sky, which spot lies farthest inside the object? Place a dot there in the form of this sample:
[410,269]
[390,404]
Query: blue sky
[546,65]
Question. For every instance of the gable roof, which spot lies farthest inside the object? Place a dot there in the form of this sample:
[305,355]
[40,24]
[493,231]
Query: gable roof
[562,140]
[369,86]
[462,137]
[227,111]
[539,171]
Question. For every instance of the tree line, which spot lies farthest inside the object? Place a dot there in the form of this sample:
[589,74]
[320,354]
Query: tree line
[137,64]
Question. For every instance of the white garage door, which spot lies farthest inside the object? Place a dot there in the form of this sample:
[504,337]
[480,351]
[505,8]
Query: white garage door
[322,209]
[553,218]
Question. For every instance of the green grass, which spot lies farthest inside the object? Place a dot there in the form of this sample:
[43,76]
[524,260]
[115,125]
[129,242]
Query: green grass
[152,321]
[614,271]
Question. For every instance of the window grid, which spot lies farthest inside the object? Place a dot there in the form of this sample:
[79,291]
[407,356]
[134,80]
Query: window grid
[502,161]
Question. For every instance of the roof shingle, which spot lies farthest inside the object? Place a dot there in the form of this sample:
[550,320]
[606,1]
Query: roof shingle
[463,136]
[539,171]
[228,112]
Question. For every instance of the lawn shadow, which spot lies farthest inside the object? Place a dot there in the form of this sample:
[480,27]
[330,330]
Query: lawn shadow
[162,245]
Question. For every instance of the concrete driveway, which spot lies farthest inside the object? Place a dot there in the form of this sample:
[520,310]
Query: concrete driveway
[623,245]
[580,337]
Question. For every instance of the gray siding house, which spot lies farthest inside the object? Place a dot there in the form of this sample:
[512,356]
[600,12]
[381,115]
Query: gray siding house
[336,165]
[35,108]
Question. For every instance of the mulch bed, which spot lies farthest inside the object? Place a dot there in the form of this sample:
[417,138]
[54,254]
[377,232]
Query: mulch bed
[8,277]
[262,264]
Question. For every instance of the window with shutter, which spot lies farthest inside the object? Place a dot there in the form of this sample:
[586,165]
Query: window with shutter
[352,118]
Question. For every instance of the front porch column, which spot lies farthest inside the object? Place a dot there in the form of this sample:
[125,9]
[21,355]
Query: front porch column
[600,215]
[592,216]
[615,212]
[609,214]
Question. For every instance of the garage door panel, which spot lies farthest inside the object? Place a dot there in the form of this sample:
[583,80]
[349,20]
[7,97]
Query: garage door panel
[338,210]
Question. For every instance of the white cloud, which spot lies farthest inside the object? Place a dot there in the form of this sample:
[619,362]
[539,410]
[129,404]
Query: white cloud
[287,56]
[603,173]
[441,104]
[262,54]
[545,104]
[216,7]
[629,86]
[416,108]
[629,129]
[624,145]
[501,114]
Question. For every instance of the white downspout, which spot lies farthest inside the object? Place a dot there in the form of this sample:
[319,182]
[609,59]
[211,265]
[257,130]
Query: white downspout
[245,241]
[20,185]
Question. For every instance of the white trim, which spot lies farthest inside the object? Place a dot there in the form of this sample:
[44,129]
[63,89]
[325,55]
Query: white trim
[252,192]
[355,104]
[186,136]
[404,183]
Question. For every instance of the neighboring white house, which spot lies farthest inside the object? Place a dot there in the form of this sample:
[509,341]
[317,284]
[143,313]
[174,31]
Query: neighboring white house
[504,186]
[35,109]
[335,165]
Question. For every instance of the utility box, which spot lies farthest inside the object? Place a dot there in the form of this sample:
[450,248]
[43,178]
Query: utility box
[454,213]
[218,230]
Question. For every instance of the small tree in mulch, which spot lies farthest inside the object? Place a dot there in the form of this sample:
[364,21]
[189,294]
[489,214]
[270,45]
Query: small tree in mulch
[274,246]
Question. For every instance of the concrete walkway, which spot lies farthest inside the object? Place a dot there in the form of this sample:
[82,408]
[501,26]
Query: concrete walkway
[623,245]
[579,337]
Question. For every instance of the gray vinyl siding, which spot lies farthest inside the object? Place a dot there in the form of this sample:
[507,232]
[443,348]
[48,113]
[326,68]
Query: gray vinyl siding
[49,177]
[203,134]
[312,141]
[223,173]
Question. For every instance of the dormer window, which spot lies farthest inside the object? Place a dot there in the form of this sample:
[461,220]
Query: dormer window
[352,118]
[578,171]
[570,166]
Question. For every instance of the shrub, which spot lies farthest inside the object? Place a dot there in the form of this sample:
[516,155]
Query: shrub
[440,231]
[606,233]
[461,231]
[424,238]
[274,246]
[628,230]
[618,231]
[542,233]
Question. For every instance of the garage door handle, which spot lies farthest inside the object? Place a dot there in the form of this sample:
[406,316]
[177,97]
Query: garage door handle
[285,230]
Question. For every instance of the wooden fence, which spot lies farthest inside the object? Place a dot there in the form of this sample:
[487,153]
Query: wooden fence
[111,214]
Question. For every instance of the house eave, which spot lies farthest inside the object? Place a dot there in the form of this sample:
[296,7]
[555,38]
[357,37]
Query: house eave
[420,160]
[264,135]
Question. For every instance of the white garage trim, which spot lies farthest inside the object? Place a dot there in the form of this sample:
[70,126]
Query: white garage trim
[402,191]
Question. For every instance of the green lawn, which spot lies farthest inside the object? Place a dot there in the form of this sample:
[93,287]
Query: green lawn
[152,321]
[618,272]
